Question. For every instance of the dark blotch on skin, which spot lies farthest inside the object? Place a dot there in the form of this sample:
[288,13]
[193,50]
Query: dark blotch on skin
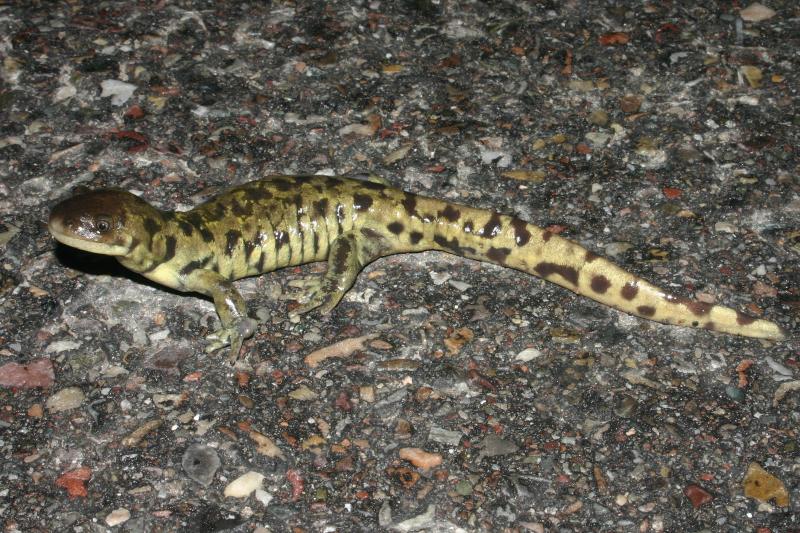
[409,203]
[321,207]
[231,240]
[260,264]
[743,319]
[281,238]
[151,226]
[219,211]
[373,185]
[646,310]
[444,243]
[170,245]
[629,291]
[362,202]
[498,255]
[600,284]
[521,233]
[468,226]
[186,228]
[591,256]
[492,227]
[547,235]
[453,245]
[249,247]
[191,266]
[196,220]
[282,184]
[206,234]
[710,326]
[450,213]
[240,210]
[396,227]
[257,194]
[415,237]
[567,272]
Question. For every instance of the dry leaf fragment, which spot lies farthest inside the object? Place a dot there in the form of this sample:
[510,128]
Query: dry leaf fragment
[783,390]
[763,486]
[140,433]
[636,377]
[392,69]
[752,74]
[697,495]
[600,480]
[266,446]
[397,155]
[74,481]
[343,348]
[303,393]
[295,477]
[457,339]
[534,176]
[420,458]
[614,38]
[741,370]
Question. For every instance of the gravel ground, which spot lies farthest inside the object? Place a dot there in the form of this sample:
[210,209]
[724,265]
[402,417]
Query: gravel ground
[462,396]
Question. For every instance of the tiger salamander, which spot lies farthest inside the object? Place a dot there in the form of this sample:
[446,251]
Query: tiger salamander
[283,221]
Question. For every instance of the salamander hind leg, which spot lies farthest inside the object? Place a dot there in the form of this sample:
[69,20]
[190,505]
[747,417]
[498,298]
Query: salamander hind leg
[348,255]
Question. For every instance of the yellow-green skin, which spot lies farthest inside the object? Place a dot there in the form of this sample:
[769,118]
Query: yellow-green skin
[282,221]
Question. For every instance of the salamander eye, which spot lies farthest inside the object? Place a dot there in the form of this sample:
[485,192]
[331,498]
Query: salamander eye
[103,225]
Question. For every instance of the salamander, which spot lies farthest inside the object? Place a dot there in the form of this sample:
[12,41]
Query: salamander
[281,221]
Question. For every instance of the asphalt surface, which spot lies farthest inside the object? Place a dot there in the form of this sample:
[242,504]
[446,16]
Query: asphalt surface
[450,395]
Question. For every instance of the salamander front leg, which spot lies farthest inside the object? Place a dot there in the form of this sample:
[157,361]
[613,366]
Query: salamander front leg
[231,308]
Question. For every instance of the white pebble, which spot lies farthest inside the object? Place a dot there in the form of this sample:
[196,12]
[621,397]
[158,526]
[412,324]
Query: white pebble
[756,13]
[119,91]
[65,399]
[527,354]
[117,517]
[244,485]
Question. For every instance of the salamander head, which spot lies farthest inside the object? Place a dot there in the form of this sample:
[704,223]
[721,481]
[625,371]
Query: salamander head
[106,221]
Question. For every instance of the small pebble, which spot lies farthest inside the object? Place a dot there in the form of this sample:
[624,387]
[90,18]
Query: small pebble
[464,488]
[117,517]
[200,463]
[244,485]
[119,91]
[756,12]
[65,399]
[734,393]
[598,117]
[528,354]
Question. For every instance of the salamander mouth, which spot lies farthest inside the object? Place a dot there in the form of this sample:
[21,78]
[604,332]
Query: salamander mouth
[59,230]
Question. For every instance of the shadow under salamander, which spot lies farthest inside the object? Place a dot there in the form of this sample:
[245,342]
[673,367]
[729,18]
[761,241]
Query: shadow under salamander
[98,264]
